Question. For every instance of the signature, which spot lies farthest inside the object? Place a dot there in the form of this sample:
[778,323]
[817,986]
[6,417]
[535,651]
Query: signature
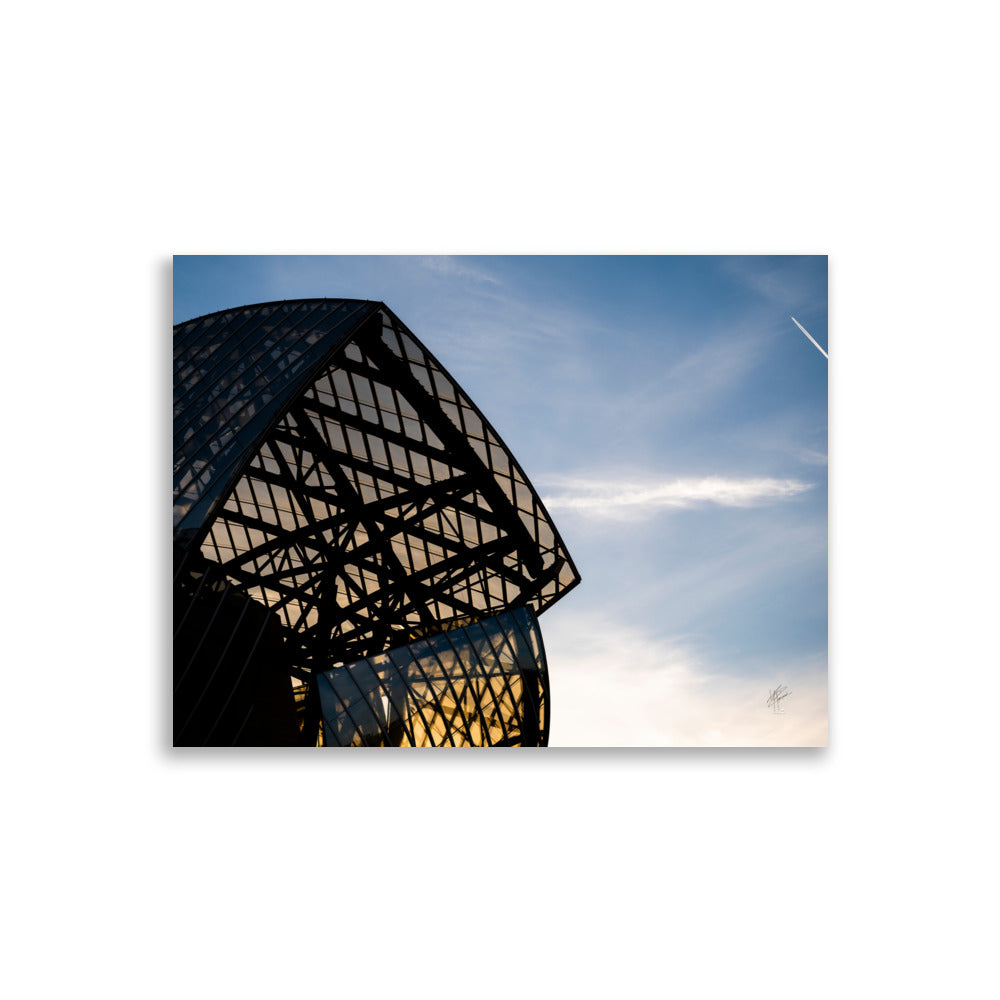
[775,698]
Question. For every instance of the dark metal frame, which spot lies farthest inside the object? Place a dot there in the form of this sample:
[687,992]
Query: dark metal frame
[362,497]
[475,672]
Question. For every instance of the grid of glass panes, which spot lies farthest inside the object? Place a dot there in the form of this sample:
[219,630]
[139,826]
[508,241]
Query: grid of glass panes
[354,486]
[485,684]
[232,371]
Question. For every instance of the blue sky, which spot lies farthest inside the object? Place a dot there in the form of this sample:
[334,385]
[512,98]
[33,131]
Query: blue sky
[674,419]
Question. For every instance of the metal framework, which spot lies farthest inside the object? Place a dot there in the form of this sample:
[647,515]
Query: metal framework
[484,684]
[337,496]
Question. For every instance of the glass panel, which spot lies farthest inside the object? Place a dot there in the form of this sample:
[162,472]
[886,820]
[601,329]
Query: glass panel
[484,684]
[235,389]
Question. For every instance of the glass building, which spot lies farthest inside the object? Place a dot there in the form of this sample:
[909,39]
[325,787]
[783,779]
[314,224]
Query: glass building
[358,558]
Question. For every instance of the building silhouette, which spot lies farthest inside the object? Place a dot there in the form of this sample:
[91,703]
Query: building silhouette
[358,558]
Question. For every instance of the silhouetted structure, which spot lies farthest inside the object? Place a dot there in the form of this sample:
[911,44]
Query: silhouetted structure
[359,560]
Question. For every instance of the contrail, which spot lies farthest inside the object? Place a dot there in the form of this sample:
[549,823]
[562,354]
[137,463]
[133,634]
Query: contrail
[806,332]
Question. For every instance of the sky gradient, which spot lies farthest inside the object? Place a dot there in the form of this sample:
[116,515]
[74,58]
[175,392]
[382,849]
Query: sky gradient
[673,418]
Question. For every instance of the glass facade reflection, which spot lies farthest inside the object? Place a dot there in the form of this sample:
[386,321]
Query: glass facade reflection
[484,684]
[336,492]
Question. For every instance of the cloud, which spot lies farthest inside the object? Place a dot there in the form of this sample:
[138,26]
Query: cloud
[787,281]
[451,267]
[616,685]
[623,500]
[811,456]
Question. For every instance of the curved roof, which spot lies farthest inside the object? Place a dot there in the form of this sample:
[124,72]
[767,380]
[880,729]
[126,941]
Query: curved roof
[341,477]
[235,370]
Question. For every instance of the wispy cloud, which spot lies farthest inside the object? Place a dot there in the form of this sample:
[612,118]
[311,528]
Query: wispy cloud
[453,267]
[615,685]
[617,499]
[811,456]
[786,281]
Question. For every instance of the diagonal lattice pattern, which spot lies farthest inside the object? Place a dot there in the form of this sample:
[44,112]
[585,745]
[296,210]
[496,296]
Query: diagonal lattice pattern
[382,503]
[233,371]
[363,501]
[484,684]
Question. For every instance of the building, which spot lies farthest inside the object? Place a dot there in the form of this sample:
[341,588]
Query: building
[358,558]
